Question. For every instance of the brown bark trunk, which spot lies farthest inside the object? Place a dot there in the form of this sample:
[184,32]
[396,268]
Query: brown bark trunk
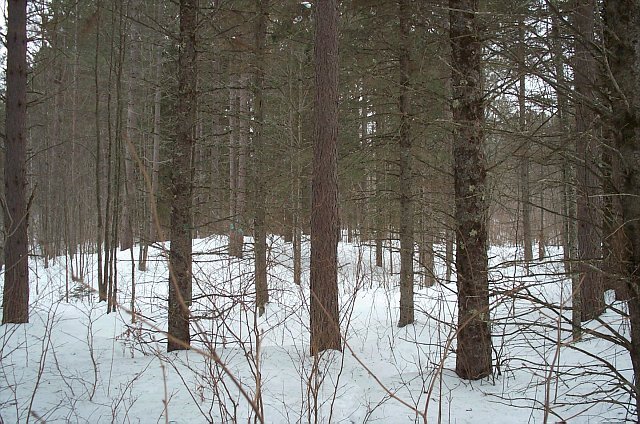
[324,317]
[622,31]
[15,301]
[588,208]
[406,179]
[102,288]
[260,236]
[180,251]
[233,166]
[154,224]
[473,359]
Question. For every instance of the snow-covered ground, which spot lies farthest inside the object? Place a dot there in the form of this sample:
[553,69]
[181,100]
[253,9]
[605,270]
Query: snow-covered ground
[75,363]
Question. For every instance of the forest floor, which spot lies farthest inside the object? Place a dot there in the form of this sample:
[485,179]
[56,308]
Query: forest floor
[75,363]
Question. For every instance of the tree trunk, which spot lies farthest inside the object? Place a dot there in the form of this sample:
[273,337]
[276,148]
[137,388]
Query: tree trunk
[15,301]
[154,224]
[570,224]
[180,251]
[102,288]
[541,236]
[259,227]
[525,195]
[233,166]
[588,208]
[406,178]
[622,31]
[243,153]
[473,359]
[324,317]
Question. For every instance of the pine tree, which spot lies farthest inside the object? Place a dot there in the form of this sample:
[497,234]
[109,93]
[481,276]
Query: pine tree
[473,359]
[325,324]
[181,184]
[15,303]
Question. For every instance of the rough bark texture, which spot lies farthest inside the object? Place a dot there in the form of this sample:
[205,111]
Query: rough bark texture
[588,208]
[260,235]
[325,324]
[473,359]
[180,252]
[15,301]
[406,180]
[622,35]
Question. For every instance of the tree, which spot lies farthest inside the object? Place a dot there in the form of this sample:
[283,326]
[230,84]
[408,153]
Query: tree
[406,180]
[588,208]
[15,303]
[260,236]
[181,184]
[622,31]
[473,359]
[525,196]
[325,324]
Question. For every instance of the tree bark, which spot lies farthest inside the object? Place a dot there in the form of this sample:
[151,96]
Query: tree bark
[622,32]
[260,235]
[324,317]
[102,288]
[15,301]
[406,179]
[473,359]
[180,251]
[588,207]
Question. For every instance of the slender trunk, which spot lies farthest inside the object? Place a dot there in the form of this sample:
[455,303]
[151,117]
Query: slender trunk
[448,253]
[570,227]
[243,153]
[260,236]
[154,224]
[233,167]
[525,195]
[541,236]
[297,194]
[406,178]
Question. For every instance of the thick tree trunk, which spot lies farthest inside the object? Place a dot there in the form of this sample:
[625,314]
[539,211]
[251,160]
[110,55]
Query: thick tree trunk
[588,207]
[324,317]
[473,359]
[15,301]
[622,32]
[406,178]
[181,184]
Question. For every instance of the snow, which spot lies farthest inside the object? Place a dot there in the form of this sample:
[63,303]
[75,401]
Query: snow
[75,363]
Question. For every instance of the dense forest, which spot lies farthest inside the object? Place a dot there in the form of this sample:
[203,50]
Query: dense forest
[321,211]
